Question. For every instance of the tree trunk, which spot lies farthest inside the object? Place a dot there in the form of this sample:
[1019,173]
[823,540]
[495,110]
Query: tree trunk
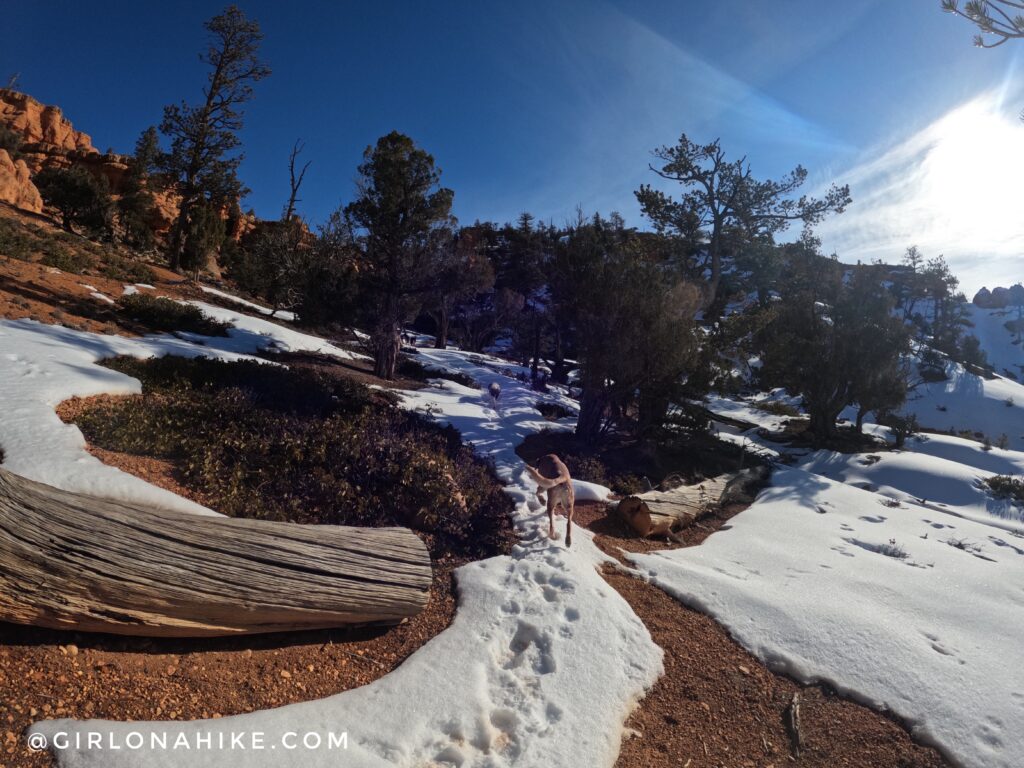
[176,241]
[592,405]
[652,411]
[441,339]
[536,350]
[861,413]
[387,344]
[659,513]
[822,426]
[559,371]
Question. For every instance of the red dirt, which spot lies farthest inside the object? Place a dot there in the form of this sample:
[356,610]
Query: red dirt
[716,705]
[45,673]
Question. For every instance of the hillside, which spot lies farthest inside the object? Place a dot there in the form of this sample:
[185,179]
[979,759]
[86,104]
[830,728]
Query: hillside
[836,580]
[1001,345]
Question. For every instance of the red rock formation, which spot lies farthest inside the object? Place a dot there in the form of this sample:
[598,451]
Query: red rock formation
[16,185]
[40,124]
[51,141]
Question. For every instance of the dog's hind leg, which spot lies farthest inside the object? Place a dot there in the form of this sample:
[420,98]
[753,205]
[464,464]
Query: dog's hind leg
[568,526]
[552,533]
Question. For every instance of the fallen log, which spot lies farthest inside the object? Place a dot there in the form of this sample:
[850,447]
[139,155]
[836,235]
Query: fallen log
[69,561]
[660,513]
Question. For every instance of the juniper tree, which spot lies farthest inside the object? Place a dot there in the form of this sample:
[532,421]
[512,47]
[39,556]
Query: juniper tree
[399,224]
[81,198]
[203,158]
[204,232]
[633,319]
[834,341]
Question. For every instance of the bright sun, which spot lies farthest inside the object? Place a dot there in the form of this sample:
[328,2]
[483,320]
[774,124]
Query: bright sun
[973,175]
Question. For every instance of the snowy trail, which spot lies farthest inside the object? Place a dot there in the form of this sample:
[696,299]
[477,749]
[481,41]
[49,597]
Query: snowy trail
[541,666]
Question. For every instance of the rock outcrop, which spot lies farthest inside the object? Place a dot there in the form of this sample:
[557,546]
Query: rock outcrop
[40,124]
[16,185]
[50,141]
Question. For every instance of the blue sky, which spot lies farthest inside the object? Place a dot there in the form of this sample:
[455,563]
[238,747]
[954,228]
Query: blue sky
[549,104]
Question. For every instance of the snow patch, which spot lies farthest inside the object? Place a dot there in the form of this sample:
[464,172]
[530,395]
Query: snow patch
[904,608]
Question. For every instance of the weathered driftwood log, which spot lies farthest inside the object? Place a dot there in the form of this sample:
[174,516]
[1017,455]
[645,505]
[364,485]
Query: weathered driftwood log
[69,561]
[659,513]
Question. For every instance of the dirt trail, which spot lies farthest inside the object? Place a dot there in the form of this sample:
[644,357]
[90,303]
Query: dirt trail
[716,705]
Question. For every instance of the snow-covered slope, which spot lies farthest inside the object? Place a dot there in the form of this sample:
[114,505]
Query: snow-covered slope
[996,340]
[802,580]
[965,401]
[281,314]
[924,480]
[42,365]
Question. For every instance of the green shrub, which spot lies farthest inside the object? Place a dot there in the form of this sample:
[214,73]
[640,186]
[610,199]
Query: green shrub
[72,261]
[81,198]
[126,270]
[267,442]
[1006,487]
[553,411]
[272,387]
[162,314]
[777,408]
[14,243]
[414,369]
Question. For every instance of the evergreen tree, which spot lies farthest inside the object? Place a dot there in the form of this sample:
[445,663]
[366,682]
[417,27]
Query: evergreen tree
[399,224]
[81,198]
[135,206]
[724,207]
[633,321]
[271,262]
[997,20]
[834,342]
[203,236]
[203,158]
[463,273]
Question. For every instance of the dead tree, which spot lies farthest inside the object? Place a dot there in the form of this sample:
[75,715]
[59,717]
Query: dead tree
[294,181]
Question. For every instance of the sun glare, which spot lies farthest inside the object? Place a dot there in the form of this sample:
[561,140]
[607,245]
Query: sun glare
[974,174]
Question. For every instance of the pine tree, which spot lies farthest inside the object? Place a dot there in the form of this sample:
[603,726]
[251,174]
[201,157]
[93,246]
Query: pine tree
[203,158]
[724,206]
[135,205]
[997,20]
[463,273]
[400,224]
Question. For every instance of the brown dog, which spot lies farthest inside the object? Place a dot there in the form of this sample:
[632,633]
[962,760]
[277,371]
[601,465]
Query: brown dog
[552,477]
